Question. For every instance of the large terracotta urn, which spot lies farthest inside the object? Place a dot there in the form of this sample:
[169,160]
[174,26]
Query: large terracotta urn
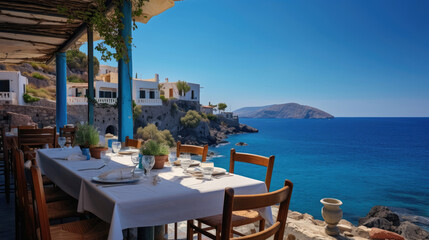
[332,214]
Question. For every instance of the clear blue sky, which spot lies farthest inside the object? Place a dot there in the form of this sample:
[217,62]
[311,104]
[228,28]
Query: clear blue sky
[349,58]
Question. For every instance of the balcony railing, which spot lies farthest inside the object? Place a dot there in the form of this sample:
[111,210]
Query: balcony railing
[111,101]
[148,102]
[8,96]
[77,100]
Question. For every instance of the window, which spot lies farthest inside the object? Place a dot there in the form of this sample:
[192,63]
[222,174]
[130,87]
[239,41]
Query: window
[4,86]
[192,94]
[101,94]
[113,94]
[108,94]
[25,90]
[142,94]
[152,94]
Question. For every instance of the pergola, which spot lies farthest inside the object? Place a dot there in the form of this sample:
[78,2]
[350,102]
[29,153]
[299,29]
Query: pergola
[35,30]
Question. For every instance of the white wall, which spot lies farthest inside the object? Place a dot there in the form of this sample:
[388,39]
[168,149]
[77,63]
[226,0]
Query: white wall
[16,84]
[188,96]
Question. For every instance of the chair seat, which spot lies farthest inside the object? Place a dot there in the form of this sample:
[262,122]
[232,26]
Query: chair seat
[239,218]
[47,181]
[92,229]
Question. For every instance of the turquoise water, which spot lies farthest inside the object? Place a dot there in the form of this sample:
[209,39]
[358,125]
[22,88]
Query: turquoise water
[362,161]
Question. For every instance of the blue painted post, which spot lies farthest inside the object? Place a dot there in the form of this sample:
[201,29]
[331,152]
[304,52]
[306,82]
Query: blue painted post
[90,76]
[61,87]
[125,68]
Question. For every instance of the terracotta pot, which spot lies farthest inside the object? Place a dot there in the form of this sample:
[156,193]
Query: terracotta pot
[95,151]
[159,161]
[332,214]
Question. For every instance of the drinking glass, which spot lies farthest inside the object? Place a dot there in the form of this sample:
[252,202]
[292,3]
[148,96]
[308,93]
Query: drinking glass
[172,157]
[135,160]
[106,159]
[185,161]
[62,142]
[148,163]
[116,146]
[207,169]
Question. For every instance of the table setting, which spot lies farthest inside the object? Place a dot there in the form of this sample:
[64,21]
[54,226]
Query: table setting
[128,190]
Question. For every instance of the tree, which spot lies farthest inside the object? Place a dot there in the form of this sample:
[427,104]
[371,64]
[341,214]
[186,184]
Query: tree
[183,87]
[79,61]
[222,106]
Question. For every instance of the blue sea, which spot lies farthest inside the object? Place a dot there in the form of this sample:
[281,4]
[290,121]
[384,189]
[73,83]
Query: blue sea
[361,161]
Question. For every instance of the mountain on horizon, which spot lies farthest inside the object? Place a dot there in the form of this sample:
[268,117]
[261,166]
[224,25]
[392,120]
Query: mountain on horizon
[286,110]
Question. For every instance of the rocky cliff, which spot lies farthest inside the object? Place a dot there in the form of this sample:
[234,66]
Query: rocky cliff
[287,110]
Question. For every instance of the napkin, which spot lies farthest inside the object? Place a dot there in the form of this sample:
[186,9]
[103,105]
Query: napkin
[116,174]
[76,157]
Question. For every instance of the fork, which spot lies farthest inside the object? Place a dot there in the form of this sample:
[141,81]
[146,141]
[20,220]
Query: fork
[85,169]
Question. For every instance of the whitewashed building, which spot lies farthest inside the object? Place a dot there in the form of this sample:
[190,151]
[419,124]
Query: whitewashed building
[12,87]
[145,91]
[207,109]
[170,91]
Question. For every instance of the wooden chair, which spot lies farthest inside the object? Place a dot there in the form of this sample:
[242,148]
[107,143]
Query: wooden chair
[91,229]
[192,149]
[4,165]
[132,143]
[69,134]
[29,140]
[55,209]
[25,127]
[237,203]
[240,218]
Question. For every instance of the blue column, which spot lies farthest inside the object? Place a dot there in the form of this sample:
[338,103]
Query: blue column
[61,87]
[125,78]
[90,76]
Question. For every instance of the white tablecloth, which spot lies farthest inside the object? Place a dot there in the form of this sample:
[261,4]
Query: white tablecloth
[177,197]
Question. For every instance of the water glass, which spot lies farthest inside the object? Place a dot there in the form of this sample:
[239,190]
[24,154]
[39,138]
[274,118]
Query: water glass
[148,163]
[135,160]
[62,142]
[207,169]
[116,146]
[172,157]
[103,156]
[185,163]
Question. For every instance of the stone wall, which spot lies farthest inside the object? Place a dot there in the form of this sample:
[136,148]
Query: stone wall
[43,116]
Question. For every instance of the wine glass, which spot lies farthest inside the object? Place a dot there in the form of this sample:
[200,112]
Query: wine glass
[148,163]
[185,161]
[135,160]
[62,142]
[116,146]
[106,159]
[207,169]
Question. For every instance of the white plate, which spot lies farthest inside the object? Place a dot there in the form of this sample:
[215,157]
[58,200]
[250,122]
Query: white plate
[128,151]
[216,171]
[194,163]
[122,180]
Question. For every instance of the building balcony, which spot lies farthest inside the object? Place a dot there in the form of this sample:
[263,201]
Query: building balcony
[148,102]
[8,97]
[77,100]
[110,101]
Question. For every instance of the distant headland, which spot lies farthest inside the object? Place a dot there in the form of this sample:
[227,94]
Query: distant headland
[286,110]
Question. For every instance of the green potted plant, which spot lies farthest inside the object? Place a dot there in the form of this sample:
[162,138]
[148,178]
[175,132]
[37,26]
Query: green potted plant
[158,150]
[87,137]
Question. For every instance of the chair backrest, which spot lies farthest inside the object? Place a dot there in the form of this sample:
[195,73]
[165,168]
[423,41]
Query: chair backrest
[25,127]
[30,140]
[246,202]
[42,213]
[132,143]
[68,133]
[2,140]
[192,149]
[253,159]
[21,193]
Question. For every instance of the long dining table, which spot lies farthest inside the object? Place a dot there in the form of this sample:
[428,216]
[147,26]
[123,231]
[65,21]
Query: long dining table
[176,197]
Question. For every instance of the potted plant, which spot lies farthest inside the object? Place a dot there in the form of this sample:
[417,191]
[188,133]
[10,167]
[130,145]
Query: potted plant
[158,150]
[87,137]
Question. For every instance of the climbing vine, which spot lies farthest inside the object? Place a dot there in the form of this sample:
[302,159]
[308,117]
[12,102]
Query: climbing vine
[107,23]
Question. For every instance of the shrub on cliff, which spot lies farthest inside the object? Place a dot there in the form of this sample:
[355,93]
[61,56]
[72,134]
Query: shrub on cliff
[79,61]
[211,117]
[152,132]
[75,79]
[29,98]
[191,120]
[39,76]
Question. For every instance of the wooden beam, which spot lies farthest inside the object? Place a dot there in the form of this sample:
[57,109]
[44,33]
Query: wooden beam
[32,33]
